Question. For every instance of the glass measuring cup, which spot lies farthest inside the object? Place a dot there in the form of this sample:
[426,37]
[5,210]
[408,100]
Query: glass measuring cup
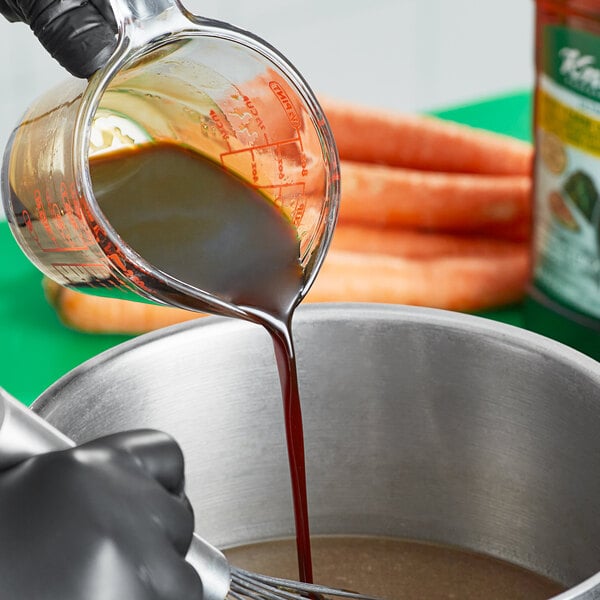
[189,80]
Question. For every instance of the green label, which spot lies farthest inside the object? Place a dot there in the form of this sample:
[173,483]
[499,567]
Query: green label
[567,169]
[571,58]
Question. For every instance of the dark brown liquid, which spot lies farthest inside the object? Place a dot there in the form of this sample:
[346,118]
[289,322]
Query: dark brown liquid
[394,569]
[193,220]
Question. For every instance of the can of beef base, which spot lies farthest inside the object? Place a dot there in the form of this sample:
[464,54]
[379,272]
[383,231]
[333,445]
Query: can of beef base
[564,298]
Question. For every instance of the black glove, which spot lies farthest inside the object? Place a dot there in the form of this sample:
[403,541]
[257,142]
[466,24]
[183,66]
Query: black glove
[80,34]
[106,520]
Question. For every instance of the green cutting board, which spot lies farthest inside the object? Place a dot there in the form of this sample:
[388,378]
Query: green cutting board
[36,349]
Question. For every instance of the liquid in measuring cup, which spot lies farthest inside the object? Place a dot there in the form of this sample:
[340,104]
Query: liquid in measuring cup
[196,221]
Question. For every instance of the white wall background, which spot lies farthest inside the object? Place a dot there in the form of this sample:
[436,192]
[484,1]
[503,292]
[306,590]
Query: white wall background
[406,54]
[401,54]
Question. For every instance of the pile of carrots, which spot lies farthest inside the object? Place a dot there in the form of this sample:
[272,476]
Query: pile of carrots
[432,214]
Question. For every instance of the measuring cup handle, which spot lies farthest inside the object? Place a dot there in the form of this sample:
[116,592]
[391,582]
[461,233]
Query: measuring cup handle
[140,21]
[138,11]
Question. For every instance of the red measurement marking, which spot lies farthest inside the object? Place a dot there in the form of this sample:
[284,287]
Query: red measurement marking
[124,267]
[286,103]
[29,226]
[268,145]
[291,196]
[84,230]
[280,166]
[276,149]
[60,224]
[71,222]
[41,214]
[254,112]
[69,245]
[303,164]
[286,186]
[254,167]
[218,121]
[70,215]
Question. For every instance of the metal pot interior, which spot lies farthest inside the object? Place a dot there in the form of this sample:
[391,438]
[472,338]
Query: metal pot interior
[419,424]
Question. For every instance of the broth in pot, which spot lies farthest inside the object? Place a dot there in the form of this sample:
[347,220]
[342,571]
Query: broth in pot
[395,569]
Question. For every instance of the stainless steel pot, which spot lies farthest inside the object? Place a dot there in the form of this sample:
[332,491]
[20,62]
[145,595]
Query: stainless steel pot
[419,424]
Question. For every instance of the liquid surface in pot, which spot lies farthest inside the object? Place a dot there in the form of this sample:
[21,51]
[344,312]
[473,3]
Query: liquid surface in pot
[394,569]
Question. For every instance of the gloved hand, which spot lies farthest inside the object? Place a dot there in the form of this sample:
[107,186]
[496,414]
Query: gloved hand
[80,34]
[105,520]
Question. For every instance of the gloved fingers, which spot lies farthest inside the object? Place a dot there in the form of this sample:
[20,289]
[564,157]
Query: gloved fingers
[152,466]
[156,452]
[105,9]
[11,11]
[173,578]
[74,32]
[174,517]
[112,530]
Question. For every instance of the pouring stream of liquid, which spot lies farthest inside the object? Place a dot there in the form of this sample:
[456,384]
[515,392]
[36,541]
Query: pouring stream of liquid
[281,334]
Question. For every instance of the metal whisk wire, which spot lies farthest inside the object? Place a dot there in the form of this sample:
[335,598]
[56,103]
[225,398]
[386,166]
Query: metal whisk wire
[253,586]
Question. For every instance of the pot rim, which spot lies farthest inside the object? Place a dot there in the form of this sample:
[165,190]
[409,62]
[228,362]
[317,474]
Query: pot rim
[336,311]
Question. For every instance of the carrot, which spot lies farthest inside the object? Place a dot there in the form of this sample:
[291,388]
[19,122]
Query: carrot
[417,244]
[98,314]
[382,195]
[518,232]
[455,283]
[466,282]
[368,134]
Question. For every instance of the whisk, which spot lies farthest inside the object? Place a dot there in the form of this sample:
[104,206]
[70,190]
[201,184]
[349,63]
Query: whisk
[23,434]
[223,581]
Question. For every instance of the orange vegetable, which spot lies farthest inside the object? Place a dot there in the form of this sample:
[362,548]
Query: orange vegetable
[373,135]
[462,283]
[381,195]
[417,244]
[97,314]
[520,231]
[465,282]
